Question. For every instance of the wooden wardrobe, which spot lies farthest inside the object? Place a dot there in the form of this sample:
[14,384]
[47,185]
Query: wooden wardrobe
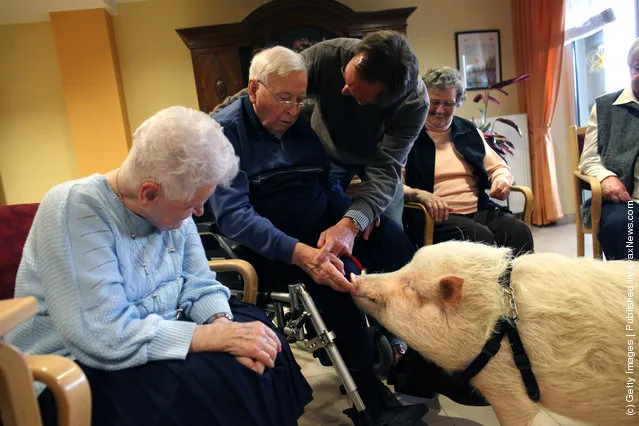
[221,54]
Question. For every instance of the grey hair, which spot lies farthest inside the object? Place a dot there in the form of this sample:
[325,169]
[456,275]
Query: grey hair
[277,61]
[182,150]
[634,51]
[446,78]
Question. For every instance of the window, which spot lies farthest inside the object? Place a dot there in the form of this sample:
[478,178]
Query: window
[601,32]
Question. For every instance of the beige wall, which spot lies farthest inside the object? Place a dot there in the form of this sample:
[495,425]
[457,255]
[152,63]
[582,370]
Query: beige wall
[36,150]
[431,31]
[157,72]
[156,65]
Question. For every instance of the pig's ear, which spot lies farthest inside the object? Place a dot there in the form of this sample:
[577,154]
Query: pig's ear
[451,291]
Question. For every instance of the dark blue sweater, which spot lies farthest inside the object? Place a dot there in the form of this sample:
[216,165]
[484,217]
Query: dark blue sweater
[283,193]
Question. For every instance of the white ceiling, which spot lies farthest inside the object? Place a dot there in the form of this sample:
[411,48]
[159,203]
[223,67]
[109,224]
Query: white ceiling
[23,11]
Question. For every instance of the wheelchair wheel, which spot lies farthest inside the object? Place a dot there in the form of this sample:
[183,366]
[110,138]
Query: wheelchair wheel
[383,352]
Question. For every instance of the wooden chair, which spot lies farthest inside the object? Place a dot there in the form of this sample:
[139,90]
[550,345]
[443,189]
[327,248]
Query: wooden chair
[18,402]
[425,221]
[583,182]
[420,226]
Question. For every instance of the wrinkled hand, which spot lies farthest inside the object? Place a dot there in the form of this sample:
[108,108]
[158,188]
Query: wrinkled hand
[367,232]
[256,366]
[614,190]
[500,188]
[338,239]
[436,206]
[324,268]
[252,340]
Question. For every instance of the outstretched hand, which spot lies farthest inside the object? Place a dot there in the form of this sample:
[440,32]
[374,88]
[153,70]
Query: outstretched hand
[323,267]
[338,239]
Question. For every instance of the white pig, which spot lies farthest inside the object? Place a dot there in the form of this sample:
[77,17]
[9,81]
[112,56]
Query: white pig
[575,320]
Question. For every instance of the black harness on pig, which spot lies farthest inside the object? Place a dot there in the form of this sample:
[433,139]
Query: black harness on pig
[505,327]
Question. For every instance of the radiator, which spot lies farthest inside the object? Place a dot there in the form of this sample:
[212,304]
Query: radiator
[519,163]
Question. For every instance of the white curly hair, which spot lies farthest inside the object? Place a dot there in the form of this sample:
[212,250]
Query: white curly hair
[182,150]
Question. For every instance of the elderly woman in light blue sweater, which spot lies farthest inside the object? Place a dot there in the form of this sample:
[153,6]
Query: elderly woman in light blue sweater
[124,289]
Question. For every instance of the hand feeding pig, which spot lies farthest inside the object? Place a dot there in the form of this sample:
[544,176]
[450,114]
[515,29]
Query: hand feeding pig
[574,315]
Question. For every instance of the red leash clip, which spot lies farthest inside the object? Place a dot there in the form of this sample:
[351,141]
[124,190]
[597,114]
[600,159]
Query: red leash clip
[356,262]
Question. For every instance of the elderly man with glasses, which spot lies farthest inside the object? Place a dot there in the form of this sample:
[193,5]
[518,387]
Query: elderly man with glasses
[368,107]
[281,202]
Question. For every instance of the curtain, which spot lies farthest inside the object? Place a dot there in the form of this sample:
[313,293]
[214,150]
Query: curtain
[538,27]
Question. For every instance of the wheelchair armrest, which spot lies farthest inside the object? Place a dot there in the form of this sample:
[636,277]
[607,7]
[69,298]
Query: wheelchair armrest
[245,269]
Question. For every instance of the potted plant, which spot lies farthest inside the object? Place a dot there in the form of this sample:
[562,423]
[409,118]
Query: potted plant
[498,142]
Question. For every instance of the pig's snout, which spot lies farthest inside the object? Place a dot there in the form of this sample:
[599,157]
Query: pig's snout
[365,289]
[361,287]
[355,280]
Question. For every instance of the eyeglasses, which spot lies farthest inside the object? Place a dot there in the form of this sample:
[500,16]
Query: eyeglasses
[447,105]
[286,103]
[352,94]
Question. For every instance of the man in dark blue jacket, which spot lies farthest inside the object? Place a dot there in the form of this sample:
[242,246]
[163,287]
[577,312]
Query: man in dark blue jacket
[282,201]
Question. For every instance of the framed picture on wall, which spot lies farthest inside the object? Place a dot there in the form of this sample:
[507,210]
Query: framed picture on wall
[479,58]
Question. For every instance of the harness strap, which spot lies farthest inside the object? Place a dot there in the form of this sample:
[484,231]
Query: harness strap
[523,363]
[504,327]
[490,349]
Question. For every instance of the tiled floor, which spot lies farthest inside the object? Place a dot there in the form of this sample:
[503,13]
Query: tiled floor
[326,408]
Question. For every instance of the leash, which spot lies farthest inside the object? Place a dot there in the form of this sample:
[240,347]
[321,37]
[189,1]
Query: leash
[356,262]
[506,327]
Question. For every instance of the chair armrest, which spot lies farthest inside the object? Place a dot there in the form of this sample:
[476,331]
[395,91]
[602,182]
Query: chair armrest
[68,384]
[529,202]
[14,312]
[18,402]
[430,223]
[596,198]
[245,269]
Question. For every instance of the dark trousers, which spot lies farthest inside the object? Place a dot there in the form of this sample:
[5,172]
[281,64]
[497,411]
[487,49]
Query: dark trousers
[210,388]
[490,226]
[617,230]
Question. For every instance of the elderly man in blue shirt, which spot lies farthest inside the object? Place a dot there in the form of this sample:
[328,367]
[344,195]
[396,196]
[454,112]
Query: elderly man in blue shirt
[280,205]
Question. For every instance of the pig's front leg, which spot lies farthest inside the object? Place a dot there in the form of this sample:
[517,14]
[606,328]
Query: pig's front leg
[500,383]
[515,409]
[510,417]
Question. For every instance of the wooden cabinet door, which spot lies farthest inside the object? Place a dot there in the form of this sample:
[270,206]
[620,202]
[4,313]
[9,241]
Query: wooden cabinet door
[217,74]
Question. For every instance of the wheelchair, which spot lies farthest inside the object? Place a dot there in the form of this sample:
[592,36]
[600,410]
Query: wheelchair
[294,313]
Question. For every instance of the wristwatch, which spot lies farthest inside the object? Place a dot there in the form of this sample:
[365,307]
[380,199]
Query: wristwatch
[213,317]
[354,225]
